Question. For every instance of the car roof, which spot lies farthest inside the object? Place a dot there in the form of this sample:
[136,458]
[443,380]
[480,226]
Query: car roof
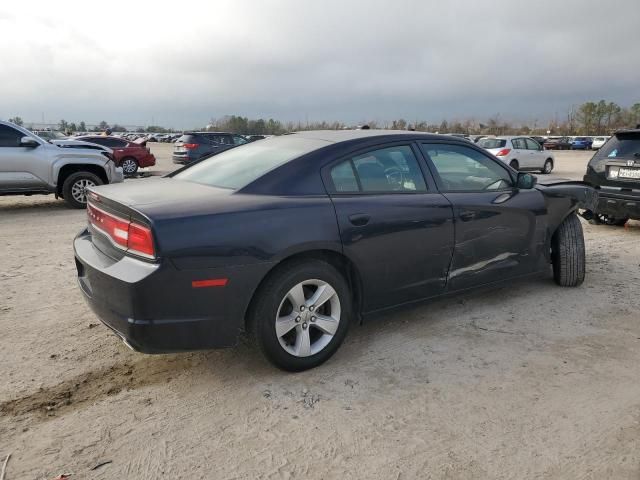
[336,136]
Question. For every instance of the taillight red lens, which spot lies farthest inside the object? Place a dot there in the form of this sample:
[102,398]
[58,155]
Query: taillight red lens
[503,152]
[140,240]
[125,235]
[190,146]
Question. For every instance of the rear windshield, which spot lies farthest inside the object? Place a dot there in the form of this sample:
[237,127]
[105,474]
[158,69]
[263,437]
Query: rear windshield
[581,139]
[622,145]
[239,166]
[492,143]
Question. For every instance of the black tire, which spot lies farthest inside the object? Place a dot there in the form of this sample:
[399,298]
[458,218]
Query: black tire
[75,181]
[129,166]
[266,304]
[568,253]
[546,170]
[514,164]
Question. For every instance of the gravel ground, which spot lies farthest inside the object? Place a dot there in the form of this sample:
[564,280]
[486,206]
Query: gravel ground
[525,381]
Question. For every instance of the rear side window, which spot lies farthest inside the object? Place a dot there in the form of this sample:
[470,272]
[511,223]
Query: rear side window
[518,144]
[217,138]
[621,145]
[489,143]
[9,137]
[387,170]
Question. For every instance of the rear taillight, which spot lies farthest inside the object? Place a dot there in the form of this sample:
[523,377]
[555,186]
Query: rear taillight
[124,234]
[503,152]
[190,146]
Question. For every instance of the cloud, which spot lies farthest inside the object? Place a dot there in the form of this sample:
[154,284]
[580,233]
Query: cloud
[130,63]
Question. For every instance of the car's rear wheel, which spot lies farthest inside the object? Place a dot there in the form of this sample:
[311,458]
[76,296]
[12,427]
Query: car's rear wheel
[568,254]
[301,314]
[548,166]
[514,164]
[74,188]
[129,165]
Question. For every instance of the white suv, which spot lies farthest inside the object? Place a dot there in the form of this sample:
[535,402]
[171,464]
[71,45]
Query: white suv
[30,165]
[521,153]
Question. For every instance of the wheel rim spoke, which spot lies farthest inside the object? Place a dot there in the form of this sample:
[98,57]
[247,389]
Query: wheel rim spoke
[321,296]
[328,325]
[285,324]
[303,343]
[296,297]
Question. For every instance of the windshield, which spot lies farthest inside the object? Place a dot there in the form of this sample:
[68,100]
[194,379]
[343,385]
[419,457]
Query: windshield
[489,143]
[239,166]
[625,145]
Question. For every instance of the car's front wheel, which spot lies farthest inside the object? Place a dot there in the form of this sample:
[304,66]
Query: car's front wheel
[74,188]
[548,166]
[567,253]
[301,314]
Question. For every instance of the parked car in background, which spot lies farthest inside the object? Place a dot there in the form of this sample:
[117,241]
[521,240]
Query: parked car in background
[615,171]
[581,143]
[50,134]
[128,155]
[30,165]
[192,146]
[598,142]
[253,138]
[294,238]
[540,140]
[557,143]
[520,153]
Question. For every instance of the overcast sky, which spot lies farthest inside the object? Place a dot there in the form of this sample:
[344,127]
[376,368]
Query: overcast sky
[134,62]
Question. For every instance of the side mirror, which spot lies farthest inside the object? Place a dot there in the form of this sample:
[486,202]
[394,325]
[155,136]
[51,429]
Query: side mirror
[526,181]
[29,142]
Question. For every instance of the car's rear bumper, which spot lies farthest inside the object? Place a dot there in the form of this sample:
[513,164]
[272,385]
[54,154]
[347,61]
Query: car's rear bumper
[155,308]
[148,160]
[619,204]
[181,160]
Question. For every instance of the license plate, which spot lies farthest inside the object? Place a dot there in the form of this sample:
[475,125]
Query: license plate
[629,173]
[180,149]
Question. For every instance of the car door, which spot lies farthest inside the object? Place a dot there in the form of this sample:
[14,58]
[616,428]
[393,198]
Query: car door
[393,223]
[499,229]
[520,152]
[536,155]
[21,168]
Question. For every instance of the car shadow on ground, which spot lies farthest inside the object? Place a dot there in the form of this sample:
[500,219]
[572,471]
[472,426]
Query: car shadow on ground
[33,204]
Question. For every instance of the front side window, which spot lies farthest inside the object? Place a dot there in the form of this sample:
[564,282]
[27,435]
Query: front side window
[387,170]
[463,169]
[10,137]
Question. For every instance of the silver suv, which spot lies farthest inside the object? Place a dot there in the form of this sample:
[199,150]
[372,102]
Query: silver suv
[30,165]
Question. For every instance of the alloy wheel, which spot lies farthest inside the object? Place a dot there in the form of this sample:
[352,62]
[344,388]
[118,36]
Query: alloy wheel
[79,189]
[129,166]
[308,318]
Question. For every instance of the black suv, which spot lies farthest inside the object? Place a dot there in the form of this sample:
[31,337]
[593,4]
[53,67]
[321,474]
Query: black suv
[193,146]
[615,171]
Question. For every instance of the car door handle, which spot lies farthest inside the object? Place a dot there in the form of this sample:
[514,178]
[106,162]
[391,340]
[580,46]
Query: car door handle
[467,215]
[359,219]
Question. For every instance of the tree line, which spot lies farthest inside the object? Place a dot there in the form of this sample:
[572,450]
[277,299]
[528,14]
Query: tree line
[589,118]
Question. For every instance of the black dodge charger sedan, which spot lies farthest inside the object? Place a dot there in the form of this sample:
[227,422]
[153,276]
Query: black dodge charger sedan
[293,238]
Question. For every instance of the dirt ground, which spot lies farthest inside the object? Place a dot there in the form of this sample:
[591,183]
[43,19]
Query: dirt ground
[526,381]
